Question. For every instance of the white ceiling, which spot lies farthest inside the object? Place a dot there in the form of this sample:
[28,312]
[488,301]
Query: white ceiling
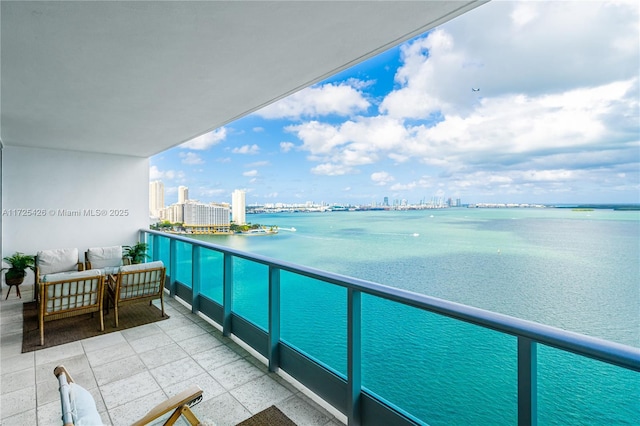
[138,78]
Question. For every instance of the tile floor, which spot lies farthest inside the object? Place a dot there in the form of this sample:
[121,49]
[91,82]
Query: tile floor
[129,372]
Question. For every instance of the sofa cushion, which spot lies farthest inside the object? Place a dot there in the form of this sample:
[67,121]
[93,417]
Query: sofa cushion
[57,260]
[104,257]
[70,276]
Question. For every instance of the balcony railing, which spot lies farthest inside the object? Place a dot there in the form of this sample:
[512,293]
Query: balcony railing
[261,300]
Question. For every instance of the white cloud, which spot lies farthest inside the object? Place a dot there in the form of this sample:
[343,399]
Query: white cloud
[341,99]
[154,173]
[247,149]
[191,158]
[331,169]
[381,178]
[258,164]
[207,140]
[250,173]
[286,146]
[545,47]
[157,174]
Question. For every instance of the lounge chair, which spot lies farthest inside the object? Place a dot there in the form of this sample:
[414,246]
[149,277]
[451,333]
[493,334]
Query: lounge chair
[79,407]
[69,294]
[136,283]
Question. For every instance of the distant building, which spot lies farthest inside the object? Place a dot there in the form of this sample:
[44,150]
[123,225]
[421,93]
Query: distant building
[173,213]
[200,218]
[183,194]
[238,207]
[386,201]
[156,198]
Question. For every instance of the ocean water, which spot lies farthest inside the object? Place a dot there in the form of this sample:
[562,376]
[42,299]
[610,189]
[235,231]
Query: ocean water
[576,270]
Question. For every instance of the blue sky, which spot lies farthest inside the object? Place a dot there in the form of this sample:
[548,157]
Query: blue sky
[556,119]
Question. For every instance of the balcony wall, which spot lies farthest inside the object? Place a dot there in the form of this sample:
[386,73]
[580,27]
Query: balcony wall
[58,199]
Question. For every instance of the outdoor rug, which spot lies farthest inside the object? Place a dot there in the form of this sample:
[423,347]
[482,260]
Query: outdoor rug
[272,416]
[66,330]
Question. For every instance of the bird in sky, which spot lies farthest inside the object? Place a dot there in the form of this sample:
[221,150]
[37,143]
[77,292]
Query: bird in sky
[475,90]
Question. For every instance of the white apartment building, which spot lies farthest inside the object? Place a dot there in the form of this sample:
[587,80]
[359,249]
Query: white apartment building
[156,198]
[183,194]
[238,207]
[173,213]
[205,218]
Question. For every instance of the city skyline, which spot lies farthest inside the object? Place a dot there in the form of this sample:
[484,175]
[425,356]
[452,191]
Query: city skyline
[512,102]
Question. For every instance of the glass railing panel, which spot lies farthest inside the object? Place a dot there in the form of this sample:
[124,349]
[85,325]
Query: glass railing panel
[184,262]
[211,274]
[251,291]
[164,252]
[148,238]
[574,390]
[313,319]
[442,371]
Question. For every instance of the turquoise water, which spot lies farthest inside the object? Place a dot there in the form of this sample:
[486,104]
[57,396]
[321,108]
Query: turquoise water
[576,270]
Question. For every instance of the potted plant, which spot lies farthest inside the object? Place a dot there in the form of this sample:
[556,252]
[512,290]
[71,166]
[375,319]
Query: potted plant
[137,253]
[18,270]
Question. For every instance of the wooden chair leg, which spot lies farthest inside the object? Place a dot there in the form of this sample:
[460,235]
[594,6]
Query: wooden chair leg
[41,332]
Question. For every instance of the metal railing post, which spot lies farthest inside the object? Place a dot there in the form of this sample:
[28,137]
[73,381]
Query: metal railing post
[173,262]
[227,294]
[274,319]
[527,382]
[195,279]
[354,356]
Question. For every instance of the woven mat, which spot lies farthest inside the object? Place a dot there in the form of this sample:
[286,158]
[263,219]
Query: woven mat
[272,416]
[66,330]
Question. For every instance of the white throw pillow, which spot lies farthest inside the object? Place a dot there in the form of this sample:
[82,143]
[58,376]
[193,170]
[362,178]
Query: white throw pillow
[103,257]
[57,260]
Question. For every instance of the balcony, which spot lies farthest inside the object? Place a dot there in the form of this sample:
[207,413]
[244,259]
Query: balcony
[129,372]
[239,341]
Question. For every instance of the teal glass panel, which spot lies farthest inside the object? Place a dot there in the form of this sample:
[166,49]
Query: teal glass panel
[148,238]
[313,319]
[184,262]
[211,274]
[442,371]
[574,390]
[251,291]
[164,252]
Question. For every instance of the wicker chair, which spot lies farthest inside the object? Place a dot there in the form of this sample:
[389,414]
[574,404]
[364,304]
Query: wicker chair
[69,294]
[136,283]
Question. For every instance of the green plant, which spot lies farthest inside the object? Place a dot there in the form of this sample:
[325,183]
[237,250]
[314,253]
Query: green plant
[137,252]
[19,263]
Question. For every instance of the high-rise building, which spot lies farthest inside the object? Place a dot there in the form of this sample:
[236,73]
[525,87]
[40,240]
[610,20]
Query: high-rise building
[156,197]
[238,207]
[183,194]
[206,218]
